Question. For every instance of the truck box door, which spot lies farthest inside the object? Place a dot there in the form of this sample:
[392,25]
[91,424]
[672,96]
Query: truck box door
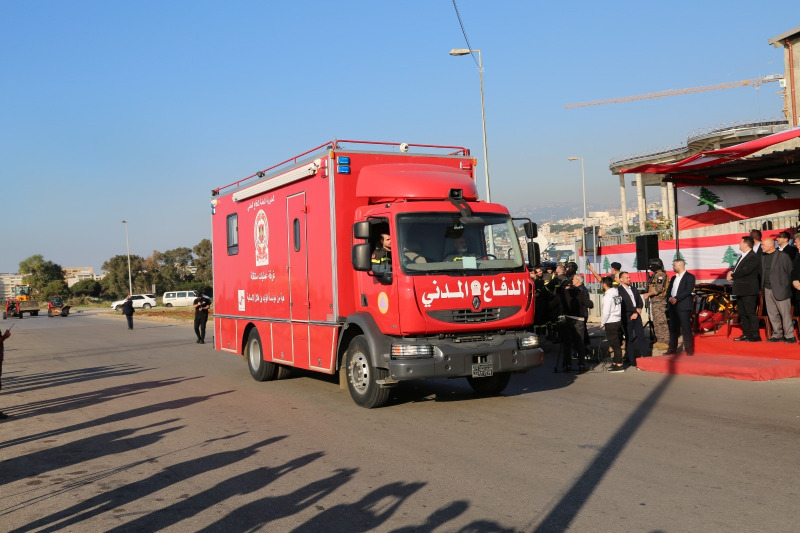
[299,305]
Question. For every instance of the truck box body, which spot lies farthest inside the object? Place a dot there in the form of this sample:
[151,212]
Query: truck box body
[284,252]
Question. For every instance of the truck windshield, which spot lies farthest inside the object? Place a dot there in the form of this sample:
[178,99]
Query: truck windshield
[22,290]
[439,242]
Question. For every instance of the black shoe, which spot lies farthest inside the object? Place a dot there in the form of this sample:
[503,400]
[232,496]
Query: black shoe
[616,368]
[742,338]
[201,342]
[3,416]
[774,339]
[789,341]
[197,341]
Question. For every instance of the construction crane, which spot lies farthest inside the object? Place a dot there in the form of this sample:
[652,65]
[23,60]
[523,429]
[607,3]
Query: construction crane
[672,92]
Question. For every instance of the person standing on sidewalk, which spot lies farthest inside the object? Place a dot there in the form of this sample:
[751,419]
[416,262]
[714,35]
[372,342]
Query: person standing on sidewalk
[3,338]
[127,310]
[632,304]
[201,306]
[679,308]
[744,276]
[776,275]
[611,321]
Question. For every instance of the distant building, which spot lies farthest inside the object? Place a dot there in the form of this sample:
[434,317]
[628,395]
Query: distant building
[73,275]
[7,282]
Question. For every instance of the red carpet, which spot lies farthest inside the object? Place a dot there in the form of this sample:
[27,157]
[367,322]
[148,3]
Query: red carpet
[718,355]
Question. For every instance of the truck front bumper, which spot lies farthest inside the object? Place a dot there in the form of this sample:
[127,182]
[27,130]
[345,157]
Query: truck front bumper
[457,360]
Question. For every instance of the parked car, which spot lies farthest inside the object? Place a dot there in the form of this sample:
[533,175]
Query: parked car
[178,298]
[140,301]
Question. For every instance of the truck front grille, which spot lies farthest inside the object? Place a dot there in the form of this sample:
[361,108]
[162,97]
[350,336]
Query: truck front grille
[468,316]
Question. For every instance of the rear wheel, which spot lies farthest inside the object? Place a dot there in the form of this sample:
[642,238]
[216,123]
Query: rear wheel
[34,313]
[362,377]
[260,370]
[168,305]
[118,308]
[146,306]
[49,313]
[491,385]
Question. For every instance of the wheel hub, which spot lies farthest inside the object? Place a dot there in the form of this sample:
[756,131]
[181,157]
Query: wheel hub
[254,354]
[359,373]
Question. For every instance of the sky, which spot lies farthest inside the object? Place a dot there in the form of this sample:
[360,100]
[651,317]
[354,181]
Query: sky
[136,110]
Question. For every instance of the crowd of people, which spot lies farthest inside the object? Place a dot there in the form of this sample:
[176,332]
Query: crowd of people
[768,271]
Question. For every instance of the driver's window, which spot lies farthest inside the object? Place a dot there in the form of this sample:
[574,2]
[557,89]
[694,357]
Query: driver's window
[381,242]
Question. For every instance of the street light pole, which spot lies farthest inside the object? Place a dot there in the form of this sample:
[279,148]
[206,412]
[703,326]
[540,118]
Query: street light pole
[128,248]
[583,232]
[463,52]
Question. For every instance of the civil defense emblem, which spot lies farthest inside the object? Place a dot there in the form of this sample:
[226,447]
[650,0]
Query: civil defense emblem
[261,234]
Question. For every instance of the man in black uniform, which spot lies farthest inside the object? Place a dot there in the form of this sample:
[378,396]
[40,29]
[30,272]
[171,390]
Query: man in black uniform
[127,310]
[201,306]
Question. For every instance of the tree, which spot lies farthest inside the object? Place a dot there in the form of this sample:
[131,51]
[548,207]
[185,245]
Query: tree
[38,273]
[87,287]
[55,288]
[708,198]
[171,268]
[606,265]
[730,257]
[204,273]
[115,282]
[774,191]
[635,261]
[677,256]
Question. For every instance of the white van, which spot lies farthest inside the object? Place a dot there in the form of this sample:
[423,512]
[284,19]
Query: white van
[178,298]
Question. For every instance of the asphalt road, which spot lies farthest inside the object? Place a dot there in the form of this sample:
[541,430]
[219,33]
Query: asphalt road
[144,430]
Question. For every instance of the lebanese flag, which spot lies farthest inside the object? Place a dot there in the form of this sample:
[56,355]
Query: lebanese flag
[707,205]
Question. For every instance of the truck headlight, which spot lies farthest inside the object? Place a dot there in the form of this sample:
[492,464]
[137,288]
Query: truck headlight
[411,351]
[529,341]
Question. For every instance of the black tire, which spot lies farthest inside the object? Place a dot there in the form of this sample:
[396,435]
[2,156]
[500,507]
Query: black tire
[146,306]
[118,308]
[49,313]
[362,377]
[491,385]
[260,370]
[4,315]
[34,313]
[168,305]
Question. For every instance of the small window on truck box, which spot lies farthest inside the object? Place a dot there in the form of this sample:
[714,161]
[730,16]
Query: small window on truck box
[233,234]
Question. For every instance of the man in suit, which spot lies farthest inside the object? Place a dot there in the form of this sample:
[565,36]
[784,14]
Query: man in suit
[756,235]
[745,276]
[776,272]
[784,245]
[632,304]
[679,308]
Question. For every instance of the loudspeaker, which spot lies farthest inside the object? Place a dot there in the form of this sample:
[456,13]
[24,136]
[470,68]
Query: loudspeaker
[646,249]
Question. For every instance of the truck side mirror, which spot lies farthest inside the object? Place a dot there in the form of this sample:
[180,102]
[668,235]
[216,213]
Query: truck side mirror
[361,230]
[362,256]
[534,256]
[531,230]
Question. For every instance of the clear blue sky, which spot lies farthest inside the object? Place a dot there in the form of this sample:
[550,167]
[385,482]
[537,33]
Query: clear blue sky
[136,110]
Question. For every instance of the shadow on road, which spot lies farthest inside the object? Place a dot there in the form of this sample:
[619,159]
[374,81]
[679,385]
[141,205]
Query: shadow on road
[48,380]
[62,404]
[570,504]
[170,405]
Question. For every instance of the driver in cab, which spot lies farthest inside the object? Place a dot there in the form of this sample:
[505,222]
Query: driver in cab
[382,256]
[460,250]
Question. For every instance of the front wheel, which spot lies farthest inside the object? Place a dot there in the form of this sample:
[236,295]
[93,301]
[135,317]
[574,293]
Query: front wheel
[118,308]
[146,306]
[167,305]
[260,370]
[49,313]
[491,385]
[362,377]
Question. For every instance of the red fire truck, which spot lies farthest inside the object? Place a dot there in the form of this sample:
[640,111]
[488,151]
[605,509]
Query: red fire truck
[302,280]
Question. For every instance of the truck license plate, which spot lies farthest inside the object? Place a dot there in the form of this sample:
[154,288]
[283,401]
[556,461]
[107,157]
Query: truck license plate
[482,370]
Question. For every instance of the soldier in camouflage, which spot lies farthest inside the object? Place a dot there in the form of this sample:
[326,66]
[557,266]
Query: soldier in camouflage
[657,294]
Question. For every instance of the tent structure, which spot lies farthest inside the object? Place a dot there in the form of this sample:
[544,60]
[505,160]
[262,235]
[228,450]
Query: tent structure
[774,157]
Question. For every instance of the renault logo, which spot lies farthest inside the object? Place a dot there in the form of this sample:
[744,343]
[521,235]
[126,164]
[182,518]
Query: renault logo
[476,303]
